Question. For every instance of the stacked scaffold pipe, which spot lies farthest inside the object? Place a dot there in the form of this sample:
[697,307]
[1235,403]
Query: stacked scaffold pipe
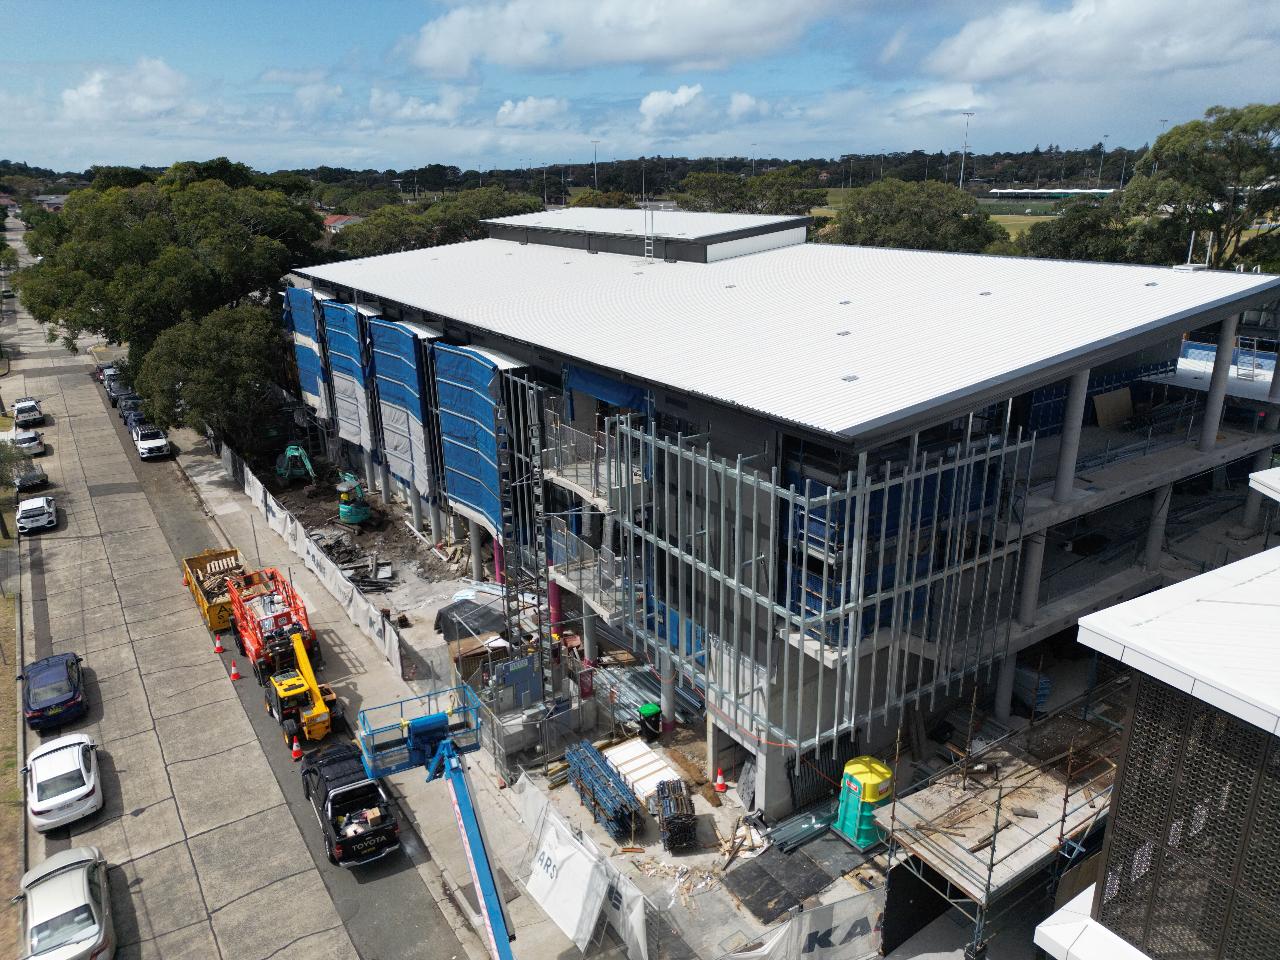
[676,818]
[605,792]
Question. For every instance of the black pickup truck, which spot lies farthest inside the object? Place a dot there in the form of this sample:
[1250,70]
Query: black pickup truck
[355,814]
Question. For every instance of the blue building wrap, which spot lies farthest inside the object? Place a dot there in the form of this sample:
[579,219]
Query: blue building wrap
[606,388]
[399,365]
[300,321]
[351,370]
[467,391]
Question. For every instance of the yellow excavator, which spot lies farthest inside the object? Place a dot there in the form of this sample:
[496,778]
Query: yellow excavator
[302,707]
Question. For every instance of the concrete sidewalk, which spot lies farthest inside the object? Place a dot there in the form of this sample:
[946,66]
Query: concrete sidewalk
[362,677]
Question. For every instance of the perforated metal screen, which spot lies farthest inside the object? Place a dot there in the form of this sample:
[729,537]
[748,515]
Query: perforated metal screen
[1193,856]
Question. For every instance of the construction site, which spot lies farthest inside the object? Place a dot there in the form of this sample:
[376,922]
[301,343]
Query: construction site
[773,618]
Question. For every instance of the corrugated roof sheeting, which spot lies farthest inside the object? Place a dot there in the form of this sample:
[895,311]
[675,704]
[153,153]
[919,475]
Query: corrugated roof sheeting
[843,340]
[1215,636]
[669,224]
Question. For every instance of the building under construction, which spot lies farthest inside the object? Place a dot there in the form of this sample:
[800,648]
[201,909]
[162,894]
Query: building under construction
[808,484]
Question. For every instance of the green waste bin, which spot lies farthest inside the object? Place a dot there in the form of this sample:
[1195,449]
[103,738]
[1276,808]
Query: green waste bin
[650,721]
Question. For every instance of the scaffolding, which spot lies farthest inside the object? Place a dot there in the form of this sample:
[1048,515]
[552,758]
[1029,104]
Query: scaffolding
[1024,805]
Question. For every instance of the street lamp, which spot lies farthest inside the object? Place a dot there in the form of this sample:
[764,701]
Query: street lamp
[1098,182]
[595,162]
[753,159]
[964,151]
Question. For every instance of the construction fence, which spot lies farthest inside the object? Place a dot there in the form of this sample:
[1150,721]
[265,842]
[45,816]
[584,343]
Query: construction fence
[362,612]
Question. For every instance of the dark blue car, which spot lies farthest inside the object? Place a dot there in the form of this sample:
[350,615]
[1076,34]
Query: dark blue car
[53,691]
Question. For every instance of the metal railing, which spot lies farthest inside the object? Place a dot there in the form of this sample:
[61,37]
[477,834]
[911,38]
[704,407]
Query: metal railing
[594,573]
[584,459]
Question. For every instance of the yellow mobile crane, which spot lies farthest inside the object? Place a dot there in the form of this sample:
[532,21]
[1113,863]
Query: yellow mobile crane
[302,707]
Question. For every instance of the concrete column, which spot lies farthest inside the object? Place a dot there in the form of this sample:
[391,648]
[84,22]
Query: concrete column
[459,527]
[477,562]
[1155,530]
[1032,564]
[1069,448]
[1004,687]
[437,521]
[415,506]
[1218,385]
[773,791]
[1249,524]
[385,482]
[370,473]
[718,741]
[499,569]
[589,650]
[667,677]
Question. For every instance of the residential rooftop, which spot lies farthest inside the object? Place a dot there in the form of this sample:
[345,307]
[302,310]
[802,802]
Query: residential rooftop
[852,342]
[1215,636]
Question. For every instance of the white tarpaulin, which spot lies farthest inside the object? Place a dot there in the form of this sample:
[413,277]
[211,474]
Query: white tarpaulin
[844,930]
[567,881]
[352,410]
[397,439]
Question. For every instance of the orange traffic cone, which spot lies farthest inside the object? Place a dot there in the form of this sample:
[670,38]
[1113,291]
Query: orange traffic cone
[235,673]
[296,753]
[721,786]
[217,644]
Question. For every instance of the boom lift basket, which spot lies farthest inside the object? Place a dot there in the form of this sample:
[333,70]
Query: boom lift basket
[406,734]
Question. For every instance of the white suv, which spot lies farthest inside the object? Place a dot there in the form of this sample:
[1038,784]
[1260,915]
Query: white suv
[27,412]
[150,441]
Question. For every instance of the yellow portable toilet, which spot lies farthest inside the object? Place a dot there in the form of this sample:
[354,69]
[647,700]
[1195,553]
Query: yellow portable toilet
[867,783]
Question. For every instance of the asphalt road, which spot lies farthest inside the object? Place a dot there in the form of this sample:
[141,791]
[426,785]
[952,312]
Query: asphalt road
[215,852]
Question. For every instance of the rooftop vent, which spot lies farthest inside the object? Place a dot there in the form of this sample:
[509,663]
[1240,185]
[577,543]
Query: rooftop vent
[849,377]
[844,333]
[1151,283]
[985,293]
[845,303]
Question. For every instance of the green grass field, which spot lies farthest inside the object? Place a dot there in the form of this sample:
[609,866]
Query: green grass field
[1017,223]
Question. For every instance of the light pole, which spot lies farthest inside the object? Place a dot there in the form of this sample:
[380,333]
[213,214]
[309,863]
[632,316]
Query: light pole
[595,162]
[1155,163]
[1097,185]
[753,159]
[964,151]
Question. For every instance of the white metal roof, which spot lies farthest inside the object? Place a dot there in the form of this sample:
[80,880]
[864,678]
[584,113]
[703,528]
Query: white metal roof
[668,224]
[1215,636]
[1266,482]
[845,340]
[1071,934]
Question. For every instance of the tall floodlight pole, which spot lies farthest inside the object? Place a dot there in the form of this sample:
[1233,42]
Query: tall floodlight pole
[964,151]
[1098,183]
[753,159]
[595,162]
[1155,163]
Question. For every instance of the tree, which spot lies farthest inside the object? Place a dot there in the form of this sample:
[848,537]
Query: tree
[451,219]
[217,372]
[387,230]
[104,178]
[784,193]
[10,459]
[1084,229]
[599,198]
[713,192]
[916,216]
[1220,175]
[128,263]
[234,175]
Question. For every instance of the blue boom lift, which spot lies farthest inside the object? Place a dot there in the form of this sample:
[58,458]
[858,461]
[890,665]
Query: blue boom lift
[433,732]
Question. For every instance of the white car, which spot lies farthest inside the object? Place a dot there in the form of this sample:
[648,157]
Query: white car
[150,441]
[27,412]
[38,513]
[62,781]
[66,908]
[30,442]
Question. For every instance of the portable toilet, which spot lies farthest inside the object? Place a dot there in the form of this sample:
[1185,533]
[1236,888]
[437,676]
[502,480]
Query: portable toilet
[867,783]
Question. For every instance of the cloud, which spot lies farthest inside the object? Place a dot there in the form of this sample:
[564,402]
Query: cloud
[531,111]
[310,97]
[291,78]
[939,100]
[659,105]
[744,105]
[894,46]
[1123,38]
[446,108]
[567,34]
[150,88]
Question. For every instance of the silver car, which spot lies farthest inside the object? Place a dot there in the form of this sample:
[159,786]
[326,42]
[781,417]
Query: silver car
[29,442]
[62,781]
[66,908]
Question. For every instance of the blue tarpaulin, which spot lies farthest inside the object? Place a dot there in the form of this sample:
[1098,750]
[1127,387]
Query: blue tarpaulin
[467,394]
[401,377]
[606,388]
[300,321]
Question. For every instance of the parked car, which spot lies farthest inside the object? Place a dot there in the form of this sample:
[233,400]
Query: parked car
[27,412]
[133,418]
[128,404]
[37,513]
[53,691]
[102,371]
[30,442]
[66,907]
[62,781]
[354,812]
[150,441]
[116,388]
[28,475]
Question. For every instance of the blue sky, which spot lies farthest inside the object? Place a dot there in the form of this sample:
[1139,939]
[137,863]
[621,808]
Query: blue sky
[396,83]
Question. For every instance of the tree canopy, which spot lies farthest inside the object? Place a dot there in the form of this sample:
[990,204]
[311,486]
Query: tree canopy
[218,371]
[451,219]
[916,216]
[601,198]
[127,263]
[780,192]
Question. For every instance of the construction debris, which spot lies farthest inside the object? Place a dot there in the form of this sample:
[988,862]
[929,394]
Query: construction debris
[365,571]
